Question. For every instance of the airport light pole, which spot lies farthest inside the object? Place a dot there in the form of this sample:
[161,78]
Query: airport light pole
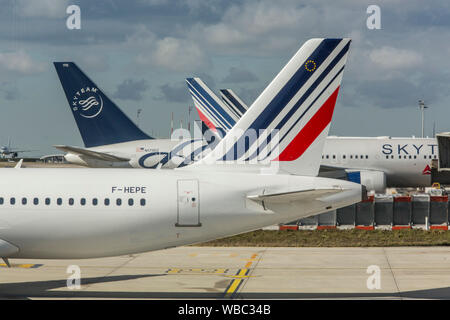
[138,114]
[422,107]
[189,118]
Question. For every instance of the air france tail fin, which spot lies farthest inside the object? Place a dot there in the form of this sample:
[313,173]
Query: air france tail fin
[234,102]
[99,120]
[214,112]
[289,121]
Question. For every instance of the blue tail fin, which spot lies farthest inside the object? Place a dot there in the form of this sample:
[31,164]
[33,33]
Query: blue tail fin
[99,120]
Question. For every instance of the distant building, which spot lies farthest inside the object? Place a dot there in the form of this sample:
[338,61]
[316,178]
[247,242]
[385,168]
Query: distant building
[53,158]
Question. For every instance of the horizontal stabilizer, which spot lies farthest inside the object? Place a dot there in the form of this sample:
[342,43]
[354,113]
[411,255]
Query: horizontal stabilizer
[7,249]
[91,154]
[290,196]
[332,172]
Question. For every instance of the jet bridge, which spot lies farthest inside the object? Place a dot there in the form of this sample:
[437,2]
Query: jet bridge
[440,169]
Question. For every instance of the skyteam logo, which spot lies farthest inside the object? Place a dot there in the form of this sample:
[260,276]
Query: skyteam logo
[87,102]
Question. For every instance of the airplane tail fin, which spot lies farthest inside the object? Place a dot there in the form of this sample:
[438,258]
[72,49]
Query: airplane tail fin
[214,112]
[289,121]
[234,102]
[99,120]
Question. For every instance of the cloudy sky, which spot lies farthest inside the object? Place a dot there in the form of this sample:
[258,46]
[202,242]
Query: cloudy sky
[139,52]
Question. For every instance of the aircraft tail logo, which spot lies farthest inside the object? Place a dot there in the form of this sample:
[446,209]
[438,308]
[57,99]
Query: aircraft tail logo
[87,102]
[99,120]
[427,170]
[290,120]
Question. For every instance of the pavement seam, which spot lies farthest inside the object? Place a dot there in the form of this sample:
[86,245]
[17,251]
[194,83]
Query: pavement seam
[392,273]
[85,287]
[250,272]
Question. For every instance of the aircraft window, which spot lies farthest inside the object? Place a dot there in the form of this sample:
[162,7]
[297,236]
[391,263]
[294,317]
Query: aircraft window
[71,201]
[119,201]
[392,157]
[142,202]
[130,202]
[343,157]
[362,157]
[367,157]
[415,157]
[356,156]
[327,156]
[12,200]
[404,157]
[106,201]
[82,201]
[334,156]
[35,201]
[425,157]
[94,201]
[351,157]
[435,156]
[59,201]
[387,157]
[430,157]
[47,201]
[409,157]
[24,201]
[322,156]
[1,200]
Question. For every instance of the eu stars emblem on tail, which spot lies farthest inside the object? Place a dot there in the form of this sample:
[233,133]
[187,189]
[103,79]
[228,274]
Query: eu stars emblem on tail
[310,65]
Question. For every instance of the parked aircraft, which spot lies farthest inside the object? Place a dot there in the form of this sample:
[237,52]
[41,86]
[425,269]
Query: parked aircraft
[376,162]
[73,213]
[6,151]
[110,138]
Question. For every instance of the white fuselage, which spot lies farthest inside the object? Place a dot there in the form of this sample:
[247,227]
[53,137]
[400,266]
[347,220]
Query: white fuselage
[148,154]
[65,215]
[403,160]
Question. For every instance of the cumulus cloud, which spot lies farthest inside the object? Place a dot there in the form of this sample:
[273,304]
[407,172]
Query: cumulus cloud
[237,75]
[42,8]
[94,62]
[20,62]
[174,54]
[9,91]
[174,93]
[392,58]
[131,90]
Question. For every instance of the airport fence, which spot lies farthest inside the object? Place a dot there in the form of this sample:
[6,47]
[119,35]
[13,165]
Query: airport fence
[389,212]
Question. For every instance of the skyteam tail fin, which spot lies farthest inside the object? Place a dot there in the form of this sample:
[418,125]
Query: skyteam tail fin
[290,120]
[234,102]
[214,112]
[99,120]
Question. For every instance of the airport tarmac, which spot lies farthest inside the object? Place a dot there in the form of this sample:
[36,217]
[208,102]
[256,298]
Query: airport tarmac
[12,164]
[238,273]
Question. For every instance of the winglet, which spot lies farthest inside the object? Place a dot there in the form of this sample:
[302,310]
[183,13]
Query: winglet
[19,164]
